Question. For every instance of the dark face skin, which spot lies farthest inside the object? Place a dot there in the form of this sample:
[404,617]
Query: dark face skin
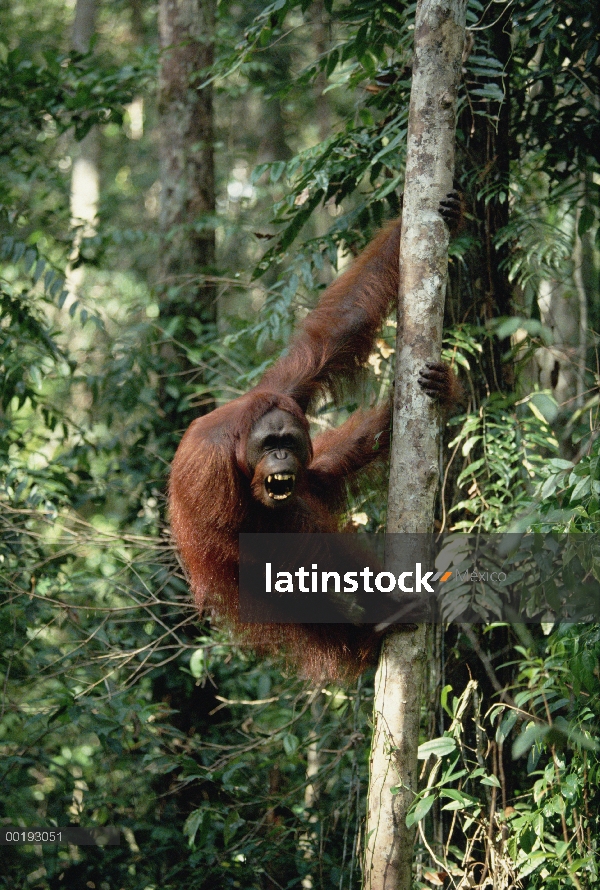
[277,452]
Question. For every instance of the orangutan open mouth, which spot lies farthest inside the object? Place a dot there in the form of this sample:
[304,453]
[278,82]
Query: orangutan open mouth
[279,486]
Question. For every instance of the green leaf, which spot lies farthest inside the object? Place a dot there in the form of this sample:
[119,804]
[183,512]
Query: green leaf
[458,796]
[586,220]
[490,780]
[549,487]
[29,260]
[290,743]
[36,377]
[533,734]
[277,171]
[534,860]
[444,700]
[192,824]
[582,489]
[232,823]
[440,747]
[456,805]
[420,811]
[39,268]
[557,463]
[198,663]
[546,405]
[506,725]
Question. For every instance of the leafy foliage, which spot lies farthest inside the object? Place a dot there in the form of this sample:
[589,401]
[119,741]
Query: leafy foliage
[506,452]
[543,835]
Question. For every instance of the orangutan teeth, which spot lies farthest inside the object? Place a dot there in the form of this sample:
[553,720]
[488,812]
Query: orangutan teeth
[280,486]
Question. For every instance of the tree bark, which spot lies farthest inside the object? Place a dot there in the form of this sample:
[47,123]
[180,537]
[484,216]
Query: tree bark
[186,29]
[84,24]
[187,198]
[85,177]
[439,43]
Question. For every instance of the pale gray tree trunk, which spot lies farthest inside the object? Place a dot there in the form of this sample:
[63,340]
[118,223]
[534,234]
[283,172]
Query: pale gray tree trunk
[187,196]
[322,41]
[439,43]
[563,303]
[186,149]
[85,178]
[84,25]
[563,309]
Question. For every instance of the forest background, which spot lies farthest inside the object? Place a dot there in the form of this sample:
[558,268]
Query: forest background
[177,184]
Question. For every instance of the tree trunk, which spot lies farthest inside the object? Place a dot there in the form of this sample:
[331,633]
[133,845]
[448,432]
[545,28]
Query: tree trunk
[187,172]
[439,42]
[563,303]
[85,178]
